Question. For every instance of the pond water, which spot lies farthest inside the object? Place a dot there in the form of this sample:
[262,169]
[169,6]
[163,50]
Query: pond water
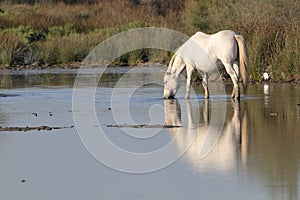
[247,149]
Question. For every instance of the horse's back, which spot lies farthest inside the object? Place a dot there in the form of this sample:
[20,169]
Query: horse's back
[221,36]
[225,33]
[226,37]
[223,45]
[219,45]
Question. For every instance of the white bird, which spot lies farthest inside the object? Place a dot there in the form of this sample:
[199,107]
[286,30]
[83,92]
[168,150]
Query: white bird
[266,76]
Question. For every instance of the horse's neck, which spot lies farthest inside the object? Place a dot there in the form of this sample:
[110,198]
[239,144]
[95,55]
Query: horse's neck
[169,70]
[177,66]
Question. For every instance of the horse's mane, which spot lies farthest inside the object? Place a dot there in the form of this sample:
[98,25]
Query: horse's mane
[171,63]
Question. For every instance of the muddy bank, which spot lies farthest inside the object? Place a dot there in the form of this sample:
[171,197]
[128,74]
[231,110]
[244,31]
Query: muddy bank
[34,67]
[74,65]
[8,95]
[142,126]
[34,128]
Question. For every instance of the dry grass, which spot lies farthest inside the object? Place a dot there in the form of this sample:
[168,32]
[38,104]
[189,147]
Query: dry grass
[61,31]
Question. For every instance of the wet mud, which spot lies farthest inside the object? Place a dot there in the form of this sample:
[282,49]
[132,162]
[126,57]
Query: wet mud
[142,126]
[34,128]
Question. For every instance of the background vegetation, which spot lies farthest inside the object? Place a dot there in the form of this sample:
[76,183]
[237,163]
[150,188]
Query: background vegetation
[61,32]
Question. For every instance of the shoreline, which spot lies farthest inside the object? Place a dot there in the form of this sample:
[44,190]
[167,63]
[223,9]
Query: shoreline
[77,65]
[74,65]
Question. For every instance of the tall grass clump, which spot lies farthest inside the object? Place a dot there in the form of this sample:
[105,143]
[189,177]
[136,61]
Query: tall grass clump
[9,43]
[68,49]
[14,50]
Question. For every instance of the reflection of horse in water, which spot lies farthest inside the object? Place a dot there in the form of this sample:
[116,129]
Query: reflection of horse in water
[228,149]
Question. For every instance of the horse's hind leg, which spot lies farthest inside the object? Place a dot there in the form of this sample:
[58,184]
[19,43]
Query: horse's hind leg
[189,72]
[205,84]
[235,80]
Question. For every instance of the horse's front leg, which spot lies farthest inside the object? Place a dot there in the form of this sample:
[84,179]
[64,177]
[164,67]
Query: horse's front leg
[205,84]
[189,72]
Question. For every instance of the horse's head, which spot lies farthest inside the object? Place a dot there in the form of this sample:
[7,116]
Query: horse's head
[171,85]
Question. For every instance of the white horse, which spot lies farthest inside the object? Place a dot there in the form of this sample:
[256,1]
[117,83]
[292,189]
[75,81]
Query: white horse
[201,52]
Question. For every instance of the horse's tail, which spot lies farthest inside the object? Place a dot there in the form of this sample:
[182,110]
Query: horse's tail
[171,63]
[243,60]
